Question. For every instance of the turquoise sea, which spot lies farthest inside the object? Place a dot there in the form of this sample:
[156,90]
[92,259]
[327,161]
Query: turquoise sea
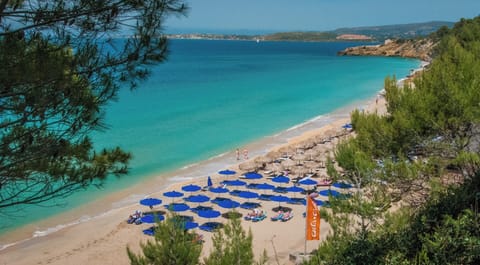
[211,97]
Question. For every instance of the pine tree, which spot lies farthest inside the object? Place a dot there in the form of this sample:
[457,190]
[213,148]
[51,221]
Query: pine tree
[62,63]
[172,245]
[233,246]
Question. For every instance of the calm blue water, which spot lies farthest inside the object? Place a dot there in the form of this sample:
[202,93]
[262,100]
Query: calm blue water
[213,96]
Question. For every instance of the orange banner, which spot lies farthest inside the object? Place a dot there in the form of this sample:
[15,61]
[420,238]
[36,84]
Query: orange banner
[313,220]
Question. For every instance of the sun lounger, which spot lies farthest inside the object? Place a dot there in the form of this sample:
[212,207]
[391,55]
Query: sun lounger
[287,216]
[259,218]
[134,217]
[277,217]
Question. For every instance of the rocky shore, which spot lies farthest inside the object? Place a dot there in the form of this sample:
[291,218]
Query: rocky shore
[421,49]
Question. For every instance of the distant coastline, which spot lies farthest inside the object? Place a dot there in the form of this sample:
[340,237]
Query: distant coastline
[374,34]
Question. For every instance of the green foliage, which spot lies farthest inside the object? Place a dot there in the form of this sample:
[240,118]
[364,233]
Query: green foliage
[172,245]
[232,245]
[61,65]
[431,127]
[301,36]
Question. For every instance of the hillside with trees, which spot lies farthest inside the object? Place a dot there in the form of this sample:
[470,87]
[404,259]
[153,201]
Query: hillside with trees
[377,33]
[422,158]
[399,31]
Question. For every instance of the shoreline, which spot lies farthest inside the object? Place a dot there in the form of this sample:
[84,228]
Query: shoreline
[54,246]
[115,218]
[129,197]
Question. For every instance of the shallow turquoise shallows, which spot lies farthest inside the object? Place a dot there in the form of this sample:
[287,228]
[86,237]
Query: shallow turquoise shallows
[213,96]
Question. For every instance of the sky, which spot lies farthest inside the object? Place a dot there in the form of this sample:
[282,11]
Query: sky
[263,16]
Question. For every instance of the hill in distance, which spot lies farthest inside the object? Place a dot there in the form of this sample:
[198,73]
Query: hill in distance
[376,33]
[401,31]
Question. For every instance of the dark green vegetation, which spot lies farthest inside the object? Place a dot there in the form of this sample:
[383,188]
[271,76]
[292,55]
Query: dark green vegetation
[173,245]
[401,31]
[425,152]
[60,67]
[378,33]
[301,36]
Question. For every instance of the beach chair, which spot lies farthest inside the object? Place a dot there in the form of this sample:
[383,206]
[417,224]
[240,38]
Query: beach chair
[287,216]
[260,217]
[249,216]
[134,217]
[277,217]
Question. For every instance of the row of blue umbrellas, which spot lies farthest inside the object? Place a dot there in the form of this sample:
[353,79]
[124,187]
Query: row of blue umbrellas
[244,194]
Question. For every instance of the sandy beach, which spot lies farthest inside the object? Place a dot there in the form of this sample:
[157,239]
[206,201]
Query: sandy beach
[103,239]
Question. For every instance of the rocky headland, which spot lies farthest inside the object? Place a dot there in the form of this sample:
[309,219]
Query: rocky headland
[421,49]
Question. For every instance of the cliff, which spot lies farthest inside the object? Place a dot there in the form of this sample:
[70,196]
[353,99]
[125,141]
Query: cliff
[421,49]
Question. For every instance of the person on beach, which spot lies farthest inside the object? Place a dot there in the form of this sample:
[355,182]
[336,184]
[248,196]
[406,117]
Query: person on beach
[245,154]
[238,154]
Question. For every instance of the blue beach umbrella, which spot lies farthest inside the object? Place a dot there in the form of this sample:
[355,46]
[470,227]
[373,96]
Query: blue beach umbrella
[342,185]
[279,199]
[234,182]
[209,182]
[197,198]
[347,126]
[190,225]
[209,214]
[248,194]
[177,207]
[191,188]
[150,202]
[281,179]
[308,182]
[265,186]
[332,193]
[295,189]
[319,202]
[219,190]
[227,172]
[253,175]
[229,204]
[173,194]
[152,218]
